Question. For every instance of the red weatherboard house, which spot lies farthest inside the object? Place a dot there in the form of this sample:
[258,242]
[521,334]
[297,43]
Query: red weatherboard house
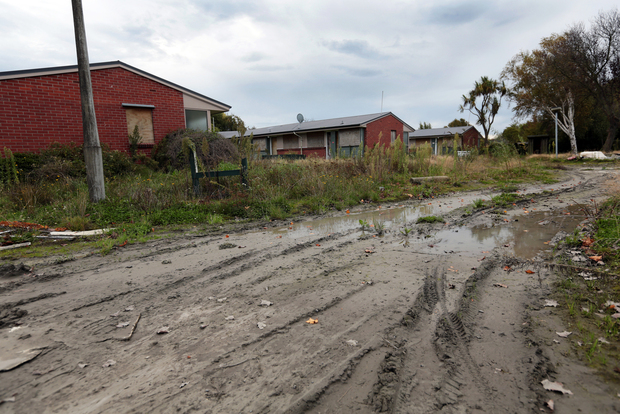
[330,137]
[41,106]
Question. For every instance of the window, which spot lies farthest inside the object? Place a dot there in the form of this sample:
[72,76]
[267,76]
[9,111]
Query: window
[198,120]
[142,116]
[392,136]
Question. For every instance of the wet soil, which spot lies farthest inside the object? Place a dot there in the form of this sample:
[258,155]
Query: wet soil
[419,321]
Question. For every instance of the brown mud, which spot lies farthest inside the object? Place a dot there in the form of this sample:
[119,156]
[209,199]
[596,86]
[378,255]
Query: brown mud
[408,322]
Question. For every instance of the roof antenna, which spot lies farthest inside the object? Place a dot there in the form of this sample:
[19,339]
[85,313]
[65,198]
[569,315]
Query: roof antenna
[381,101]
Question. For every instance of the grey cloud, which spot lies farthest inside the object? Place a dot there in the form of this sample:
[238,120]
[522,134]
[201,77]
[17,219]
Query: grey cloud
[360,48]
[456,14]
[362,72]
[253,57]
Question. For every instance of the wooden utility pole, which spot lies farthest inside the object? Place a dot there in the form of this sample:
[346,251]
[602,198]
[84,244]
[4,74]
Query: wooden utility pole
[92,148]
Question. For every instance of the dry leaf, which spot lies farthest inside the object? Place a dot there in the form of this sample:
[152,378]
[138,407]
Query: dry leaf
[529,272]
[506,268]
[312,321]
[318,245]
[555,386]
[596,258]
[368,251]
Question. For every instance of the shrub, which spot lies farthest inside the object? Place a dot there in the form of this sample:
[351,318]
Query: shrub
[210,147]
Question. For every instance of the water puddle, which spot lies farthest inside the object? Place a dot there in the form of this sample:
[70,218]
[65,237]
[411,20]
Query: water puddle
[525,236]
[387,217]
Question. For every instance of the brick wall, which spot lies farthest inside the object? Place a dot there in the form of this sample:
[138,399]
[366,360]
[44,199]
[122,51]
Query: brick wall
[384,125]
[37,111]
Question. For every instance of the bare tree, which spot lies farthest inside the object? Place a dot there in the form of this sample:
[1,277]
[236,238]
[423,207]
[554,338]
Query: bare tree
[593,62]
[484,102]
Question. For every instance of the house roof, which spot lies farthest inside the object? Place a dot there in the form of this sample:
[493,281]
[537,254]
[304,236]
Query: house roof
[324,124]
[439,132]
[28,73]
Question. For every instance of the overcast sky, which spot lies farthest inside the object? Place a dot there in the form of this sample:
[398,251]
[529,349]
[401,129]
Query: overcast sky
[273,59]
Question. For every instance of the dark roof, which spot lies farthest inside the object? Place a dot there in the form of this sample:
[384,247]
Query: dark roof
[28,73]
[439,132]
[324,124]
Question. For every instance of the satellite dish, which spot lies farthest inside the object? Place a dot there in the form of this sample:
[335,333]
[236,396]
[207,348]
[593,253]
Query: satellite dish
[300,118]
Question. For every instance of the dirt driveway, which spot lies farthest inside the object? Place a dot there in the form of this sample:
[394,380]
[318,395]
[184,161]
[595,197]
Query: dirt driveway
[422,322]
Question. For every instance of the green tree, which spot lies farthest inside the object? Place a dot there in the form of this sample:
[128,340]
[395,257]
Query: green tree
[538,85]
[484,102]
[225,122]
[424,125]
[457,123]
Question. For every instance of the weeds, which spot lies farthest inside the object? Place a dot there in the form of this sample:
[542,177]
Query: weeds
[430,219]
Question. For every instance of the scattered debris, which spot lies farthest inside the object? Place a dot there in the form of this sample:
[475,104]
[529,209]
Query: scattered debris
[564,334]
[109,363]
[603,340]
[229,318]
[312,321]
[529,272]
[501,285]
[265,303]
[15,246]
[555,386]
[220,300]
[122,325]
[550,404]
[227,246]
[261,325]
[551,303]
[129,308]
[352,342]
[163,330]
[19,358]
[166,261]
[203,326]
[10,399]
[82,365]
[185,383]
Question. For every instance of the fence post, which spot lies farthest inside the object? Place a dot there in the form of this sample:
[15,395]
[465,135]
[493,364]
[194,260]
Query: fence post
[194,170]
[244,172]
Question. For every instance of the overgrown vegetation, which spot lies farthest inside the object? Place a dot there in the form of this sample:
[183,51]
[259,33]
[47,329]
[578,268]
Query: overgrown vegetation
[589,293]
[142,196]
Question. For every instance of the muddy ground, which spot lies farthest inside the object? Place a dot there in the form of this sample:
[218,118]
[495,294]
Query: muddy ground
[406,323]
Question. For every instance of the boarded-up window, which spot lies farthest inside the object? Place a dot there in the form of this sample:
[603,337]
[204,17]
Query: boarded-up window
[143,118]
[392,136]
[316,139]
[262,143]
[290,142]
[349,138]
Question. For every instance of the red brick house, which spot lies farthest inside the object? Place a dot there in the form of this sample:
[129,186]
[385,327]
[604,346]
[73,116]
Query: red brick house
[41,106]
[329,137]
[442,139]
